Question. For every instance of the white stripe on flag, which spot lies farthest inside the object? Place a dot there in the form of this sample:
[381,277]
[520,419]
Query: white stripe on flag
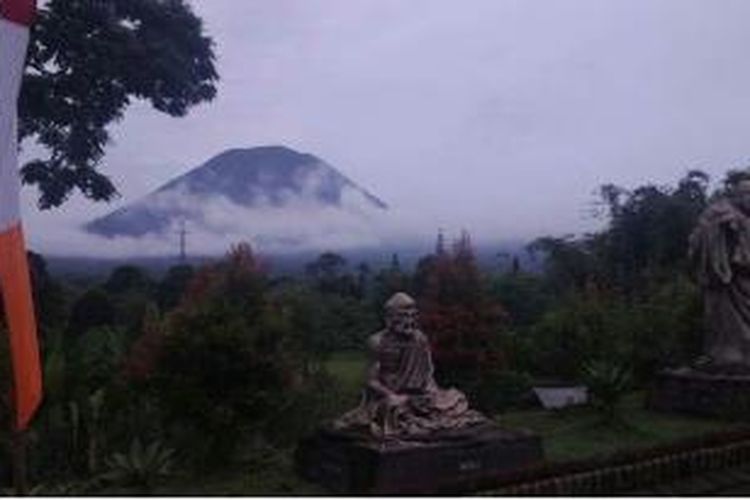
[13,42]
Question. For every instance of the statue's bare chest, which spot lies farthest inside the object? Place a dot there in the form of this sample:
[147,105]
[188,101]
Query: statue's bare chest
[391,356]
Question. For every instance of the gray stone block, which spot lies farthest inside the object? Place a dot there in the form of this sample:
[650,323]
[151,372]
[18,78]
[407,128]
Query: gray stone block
[447,463]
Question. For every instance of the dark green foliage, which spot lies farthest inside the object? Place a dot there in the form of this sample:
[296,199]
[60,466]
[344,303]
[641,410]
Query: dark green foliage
[389,281]
[88,61]
[500,390]
[332,309]
[324,323]
[624,290]
[225,366]
[607,382]
[582,326]
[230,368]
[142,466]
[649,230]
[132,291]
[668,327]
[329,274]
[96,356]
[525,296]
[130,309]
[94,308]
[126,279]
[363,280]
[567,262]
[213,384]
[319,398]
[80,408]
[172,287]
[661,329]
[646,238]
[49,296]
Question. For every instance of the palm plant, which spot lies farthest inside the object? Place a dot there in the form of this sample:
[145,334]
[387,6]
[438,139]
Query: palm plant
[607,381]
[142,466]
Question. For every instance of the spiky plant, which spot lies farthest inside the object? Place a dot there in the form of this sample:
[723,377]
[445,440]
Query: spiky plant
[607,382]
[142,466]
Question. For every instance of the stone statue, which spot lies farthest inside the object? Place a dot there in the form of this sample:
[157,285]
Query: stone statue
[720,257]
[409,436]
[401,400]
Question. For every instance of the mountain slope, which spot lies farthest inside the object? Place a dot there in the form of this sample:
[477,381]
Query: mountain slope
[238,185]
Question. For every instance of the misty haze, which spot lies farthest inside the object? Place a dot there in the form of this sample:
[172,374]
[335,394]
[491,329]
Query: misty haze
[311,247]
[498,117]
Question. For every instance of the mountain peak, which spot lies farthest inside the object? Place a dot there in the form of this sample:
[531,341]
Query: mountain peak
[271,153]
[253,179]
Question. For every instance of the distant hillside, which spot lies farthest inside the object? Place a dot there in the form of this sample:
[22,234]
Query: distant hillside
[238,184]
[90,268]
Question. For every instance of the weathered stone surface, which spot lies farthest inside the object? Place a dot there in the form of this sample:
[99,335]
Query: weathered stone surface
[718,382]
[704,393]
[408,435]
[401,399]
[449,462]
[719,254]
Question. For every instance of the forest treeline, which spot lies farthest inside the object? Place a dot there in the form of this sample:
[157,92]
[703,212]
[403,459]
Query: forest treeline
[214,365]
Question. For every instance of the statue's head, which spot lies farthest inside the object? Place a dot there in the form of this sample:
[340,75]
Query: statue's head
[401,314]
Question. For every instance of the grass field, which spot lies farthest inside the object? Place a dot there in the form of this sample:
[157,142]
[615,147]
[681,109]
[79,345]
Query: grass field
[349,368]
[273,474]
[577,433]
[574,433]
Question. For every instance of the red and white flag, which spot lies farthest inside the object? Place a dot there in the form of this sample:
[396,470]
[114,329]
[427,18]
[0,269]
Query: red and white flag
[15,18]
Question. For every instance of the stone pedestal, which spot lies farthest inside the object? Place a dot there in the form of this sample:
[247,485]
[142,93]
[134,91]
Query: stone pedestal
[704,393]
[447,463]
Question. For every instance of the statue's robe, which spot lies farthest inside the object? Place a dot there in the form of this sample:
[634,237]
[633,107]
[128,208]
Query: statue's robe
[404,366]
[720,258]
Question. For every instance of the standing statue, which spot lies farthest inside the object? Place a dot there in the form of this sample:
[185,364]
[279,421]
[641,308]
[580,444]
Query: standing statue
[401,400]
[720,256]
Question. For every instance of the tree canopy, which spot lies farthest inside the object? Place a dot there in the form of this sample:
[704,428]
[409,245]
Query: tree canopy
[88,61]
[647,233]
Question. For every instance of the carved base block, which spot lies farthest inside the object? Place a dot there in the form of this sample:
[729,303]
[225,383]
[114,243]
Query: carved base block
[344,464]
[694,392]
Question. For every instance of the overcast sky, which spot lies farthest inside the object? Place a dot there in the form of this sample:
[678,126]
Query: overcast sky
[499,116]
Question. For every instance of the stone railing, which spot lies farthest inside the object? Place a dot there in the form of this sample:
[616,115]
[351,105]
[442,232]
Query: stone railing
[631,471]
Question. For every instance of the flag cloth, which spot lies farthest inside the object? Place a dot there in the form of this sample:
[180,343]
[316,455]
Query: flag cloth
[15,18]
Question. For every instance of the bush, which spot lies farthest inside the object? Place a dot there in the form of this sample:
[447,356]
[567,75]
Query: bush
[524,295]
[94,308]
[662,328]
[324,323]
[501,391]
[607,383]
[225,366]
[582,327]
[141,466]
[320,398]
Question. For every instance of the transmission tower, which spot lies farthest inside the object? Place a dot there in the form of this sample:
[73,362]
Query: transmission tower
[183,242]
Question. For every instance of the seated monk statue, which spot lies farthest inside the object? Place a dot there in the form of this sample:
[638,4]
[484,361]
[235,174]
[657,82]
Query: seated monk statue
[401,399]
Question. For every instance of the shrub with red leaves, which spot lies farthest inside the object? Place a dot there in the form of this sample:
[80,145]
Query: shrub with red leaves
[461,319]
[224,365]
